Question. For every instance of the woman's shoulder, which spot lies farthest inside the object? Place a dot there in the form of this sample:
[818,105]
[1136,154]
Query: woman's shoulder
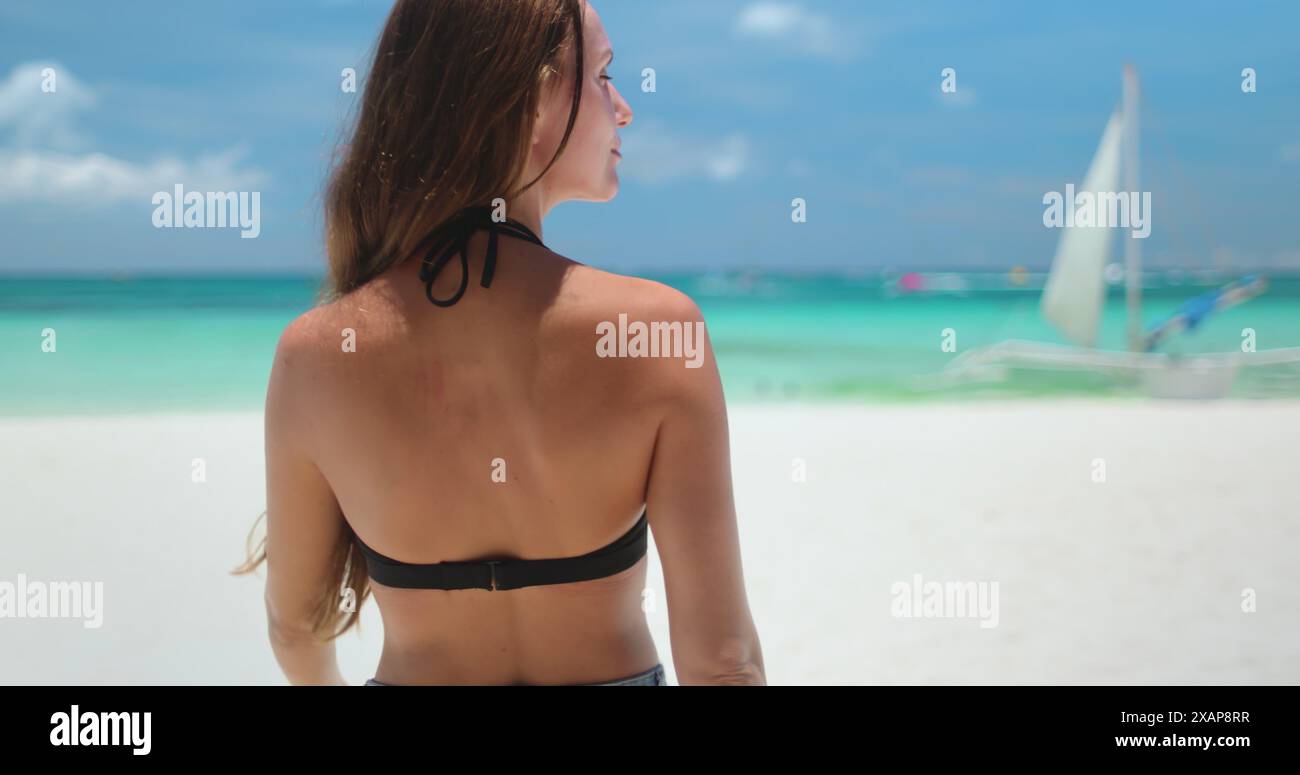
[637,331]
[305,333]
[593,295]
[310,343]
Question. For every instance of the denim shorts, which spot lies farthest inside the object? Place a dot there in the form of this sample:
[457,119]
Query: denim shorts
[653,677]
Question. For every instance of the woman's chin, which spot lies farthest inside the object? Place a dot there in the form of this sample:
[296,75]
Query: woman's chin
[605,193]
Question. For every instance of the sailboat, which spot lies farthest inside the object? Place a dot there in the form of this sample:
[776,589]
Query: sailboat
[1075,294]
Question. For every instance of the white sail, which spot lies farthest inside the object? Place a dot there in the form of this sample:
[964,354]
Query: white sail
[1076,292]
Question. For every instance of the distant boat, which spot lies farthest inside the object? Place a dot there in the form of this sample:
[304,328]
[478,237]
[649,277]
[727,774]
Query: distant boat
[1075,294]
[938,282]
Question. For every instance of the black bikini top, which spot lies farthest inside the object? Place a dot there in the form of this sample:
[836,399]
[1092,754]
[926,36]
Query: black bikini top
[452,238]
[509,573]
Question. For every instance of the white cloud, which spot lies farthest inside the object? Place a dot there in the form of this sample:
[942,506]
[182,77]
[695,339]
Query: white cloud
[44,156]
[654,154]
[94,178]
[728,159]
[770,19]
[797,28]
[35,116]
[965,97]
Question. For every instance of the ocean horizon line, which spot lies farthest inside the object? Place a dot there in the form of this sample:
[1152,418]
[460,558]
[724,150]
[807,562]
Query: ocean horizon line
[879,271]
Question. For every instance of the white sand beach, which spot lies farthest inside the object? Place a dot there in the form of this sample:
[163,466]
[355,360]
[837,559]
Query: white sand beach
[1135,579]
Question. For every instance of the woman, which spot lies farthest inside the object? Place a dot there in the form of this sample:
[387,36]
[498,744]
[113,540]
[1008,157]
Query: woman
[460,448]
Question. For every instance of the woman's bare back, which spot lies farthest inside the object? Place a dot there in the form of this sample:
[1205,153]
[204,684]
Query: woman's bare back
[417,427]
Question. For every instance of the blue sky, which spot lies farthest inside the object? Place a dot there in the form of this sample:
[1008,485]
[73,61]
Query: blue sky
[757,102]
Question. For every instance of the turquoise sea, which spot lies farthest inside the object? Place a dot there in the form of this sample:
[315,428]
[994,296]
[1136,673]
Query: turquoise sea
[196,343]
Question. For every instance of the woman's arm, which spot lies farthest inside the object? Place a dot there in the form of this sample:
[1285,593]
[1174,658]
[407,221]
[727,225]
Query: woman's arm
[693,516]
[303,524]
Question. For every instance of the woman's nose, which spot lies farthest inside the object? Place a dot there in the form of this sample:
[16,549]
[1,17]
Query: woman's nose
[622,110]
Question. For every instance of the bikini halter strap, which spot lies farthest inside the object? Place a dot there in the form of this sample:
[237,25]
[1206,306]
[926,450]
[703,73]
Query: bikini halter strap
[451,238]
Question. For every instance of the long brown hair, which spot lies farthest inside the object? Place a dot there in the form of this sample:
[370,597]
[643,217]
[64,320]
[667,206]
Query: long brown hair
[446,122]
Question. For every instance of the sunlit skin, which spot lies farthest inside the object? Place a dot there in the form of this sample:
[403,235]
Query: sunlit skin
[401,436]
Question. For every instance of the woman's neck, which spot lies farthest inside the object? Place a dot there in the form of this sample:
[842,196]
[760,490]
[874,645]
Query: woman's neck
[530,208]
